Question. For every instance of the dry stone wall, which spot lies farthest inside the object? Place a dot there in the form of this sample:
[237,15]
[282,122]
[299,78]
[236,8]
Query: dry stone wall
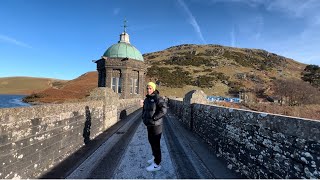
[35,139]
[257,144]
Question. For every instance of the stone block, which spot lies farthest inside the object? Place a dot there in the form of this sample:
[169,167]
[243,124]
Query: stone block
[27,171]
[30,149]
[9,172]
[46,156]
[46,161]
[27,160]
[314,147]
[8,159]
[6,149]
[4,139]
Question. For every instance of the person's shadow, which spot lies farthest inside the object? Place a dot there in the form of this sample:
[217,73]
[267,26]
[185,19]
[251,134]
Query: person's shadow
[87,126]
[123,114]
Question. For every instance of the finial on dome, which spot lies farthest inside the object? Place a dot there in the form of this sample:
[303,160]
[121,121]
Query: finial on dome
[124,25]
[124,37]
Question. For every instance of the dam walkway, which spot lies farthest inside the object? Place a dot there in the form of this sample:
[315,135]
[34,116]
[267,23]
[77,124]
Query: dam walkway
[123,151]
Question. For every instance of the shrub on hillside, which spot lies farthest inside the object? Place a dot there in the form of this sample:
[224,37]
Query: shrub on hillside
[260,60]
[188,60]
[240,58]
[33,97]
[207,70]
[259,90]
[151,56]
[196,71]
[204,81]
[311,74]
[235,87]
[219,76]
[177,78]
[156,63]
[57,84]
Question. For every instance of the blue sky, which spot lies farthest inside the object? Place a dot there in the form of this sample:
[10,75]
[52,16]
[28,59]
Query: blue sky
[60,38]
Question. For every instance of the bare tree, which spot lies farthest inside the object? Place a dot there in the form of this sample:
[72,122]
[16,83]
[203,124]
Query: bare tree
[296,92]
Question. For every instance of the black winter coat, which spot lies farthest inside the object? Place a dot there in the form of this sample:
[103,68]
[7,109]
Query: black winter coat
[154,108]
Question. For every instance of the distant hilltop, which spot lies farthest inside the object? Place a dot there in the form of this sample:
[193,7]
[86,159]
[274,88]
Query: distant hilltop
[27,85]
[219,70]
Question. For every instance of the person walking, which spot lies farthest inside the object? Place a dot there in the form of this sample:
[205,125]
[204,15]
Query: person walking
[154,108]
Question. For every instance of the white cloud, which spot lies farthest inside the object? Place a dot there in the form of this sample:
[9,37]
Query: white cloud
[296,8]
[116,11]
[252,3]
[10,40]
[192,20]
[302,46]
[308,9]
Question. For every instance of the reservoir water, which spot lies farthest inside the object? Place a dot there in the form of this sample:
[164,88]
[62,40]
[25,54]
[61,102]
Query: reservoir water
[10,101]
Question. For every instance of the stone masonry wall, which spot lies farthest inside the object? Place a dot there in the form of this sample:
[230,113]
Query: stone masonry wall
[188,101]
[176,106]
[35,139]
[128,106]
[257,144]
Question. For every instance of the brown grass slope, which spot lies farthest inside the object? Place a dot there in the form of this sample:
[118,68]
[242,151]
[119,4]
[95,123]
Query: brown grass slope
[27,85]
[72,90]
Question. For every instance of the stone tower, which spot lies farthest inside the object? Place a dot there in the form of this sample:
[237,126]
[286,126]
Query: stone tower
[122,69]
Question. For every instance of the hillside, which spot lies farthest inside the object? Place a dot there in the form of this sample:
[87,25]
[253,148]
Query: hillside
[72,90]
[27,85]
[218,70]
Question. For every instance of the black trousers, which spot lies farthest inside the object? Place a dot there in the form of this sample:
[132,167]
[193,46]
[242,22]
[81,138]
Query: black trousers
[154,136]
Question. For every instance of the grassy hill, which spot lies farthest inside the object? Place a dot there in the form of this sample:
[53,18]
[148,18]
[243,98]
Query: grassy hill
[27,85]
[218,70]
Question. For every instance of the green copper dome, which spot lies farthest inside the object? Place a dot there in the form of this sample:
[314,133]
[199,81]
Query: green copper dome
[123,50]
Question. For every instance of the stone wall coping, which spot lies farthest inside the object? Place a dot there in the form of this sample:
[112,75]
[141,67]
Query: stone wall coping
[261,112]
[252,111]
[52,105]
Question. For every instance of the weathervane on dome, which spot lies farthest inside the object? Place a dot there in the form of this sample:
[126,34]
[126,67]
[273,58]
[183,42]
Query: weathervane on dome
[124,36]
[125,25]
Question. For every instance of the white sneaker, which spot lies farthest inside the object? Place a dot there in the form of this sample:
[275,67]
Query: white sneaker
[151,160]
[153,167]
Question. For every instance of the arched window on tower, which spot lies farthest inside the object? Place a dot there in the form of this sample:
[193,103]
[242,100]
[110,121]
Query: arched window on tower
[134,83]
[136,86]
[116,81]
[131,85]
